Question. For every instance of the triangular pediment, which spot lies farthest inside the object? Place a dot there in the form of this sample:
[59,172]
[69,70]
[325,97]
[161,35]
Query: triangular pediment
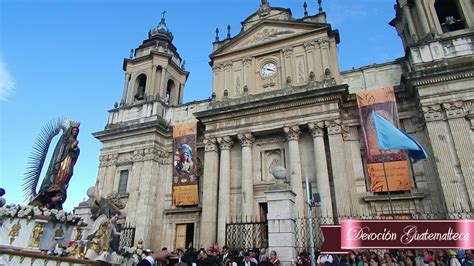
[266,32]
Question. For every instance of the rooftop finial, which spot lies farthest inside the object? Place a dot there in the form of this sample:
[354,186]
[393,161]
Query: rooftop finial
[161,28]
[264,2]
[162,21]
[217,34]
[305,5]
[320,6]
[228,31]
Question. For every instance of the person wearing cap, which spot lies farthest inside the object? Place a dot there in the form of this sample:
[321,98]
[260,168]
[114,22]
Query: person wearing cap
[247,261]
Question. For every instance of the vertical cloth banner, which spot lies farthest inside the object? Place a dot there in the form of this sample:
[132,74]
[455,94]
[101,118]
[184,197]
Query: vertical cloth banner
[395,161]
[185,183]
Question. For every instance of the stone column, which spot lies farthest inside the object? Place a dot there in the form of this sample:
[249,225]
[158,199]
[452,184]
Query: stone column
[309,49]
[322,176]
[445,158]
[152,88]
[281,218]
[209,193]
[324,48]
[224,187]
[247,140]
[460,129]
[125,88]
[411,25]
[247,72]
[163,88]
[228,77]
[288,62]
[338,162]
[293,134]
[423,18]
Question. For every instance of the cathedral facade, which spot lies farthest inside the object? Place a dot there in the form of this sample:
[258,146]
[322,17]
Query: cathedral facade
[279,99]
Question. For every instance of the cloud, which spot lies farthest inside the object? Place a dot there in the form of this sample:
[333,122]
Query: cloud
[7,84]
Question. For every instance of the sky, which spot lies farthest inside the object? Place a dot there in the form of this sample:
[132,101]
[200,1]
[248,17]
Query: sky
[63,58]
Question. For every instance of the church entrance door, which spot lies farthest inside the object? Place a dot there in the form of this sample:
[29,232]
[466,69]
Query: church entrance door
[184,235]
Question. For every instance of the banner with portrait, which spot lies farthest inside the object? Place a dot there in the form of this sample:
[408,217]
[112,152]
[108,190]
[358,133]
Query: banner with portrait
[394,161]
[185,183]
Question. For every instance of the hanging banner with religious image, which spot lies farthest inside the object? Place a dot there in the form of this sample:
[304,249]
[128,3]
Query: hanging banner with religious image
[185,183]
[394,161]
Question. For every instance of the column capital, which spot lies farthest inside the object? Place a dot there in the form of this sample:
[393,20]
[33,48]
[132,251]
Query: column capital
[432,112]
[323,42]
[225,143]
[334,126]
[287,50]
[246,139]
[316,129]
[309,45]
[228,65]
[457,109]
[247,60]
[292,132]
[210,144]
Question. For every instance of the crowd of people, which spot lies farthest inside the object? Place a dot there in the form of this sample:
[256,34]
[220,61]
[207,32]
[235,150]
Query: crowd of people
[215,256]
[400,257]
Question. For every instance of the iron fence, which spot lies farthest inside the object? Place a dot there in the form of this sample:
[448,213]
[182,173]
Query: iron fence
[385,213]
[243,234]
[127,237]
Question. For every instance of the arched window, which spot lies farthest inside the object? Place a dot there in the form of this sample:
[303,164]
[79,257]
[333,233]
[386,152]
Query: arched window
[448,15]
[170,96]
[141,85]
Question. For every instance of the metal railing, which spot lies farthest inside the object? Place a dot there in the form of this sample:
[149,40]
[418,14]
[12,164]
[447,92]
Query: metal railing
[127,238]
[243,233]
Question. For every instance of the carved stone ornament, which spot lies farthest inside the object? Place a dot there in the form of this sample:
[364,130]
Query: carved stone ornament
[246,139]
[210,144]
[456,109]
[432,112]
[247,60]
[228,65]
[287,50]
[349,133]
[323,42]
[266,35]
[112,159]
[225,143]
[316,129]
[103,160]
[309,45]
[292,132]
[334,126]
[137,155]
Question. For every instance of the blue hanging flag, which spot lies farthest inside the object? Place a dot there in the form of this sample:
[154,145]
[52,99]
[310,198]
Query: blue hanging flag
[390,137]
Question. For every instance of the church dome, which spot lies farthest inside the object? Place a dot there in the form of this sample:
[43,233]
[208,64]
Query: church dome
[161,30]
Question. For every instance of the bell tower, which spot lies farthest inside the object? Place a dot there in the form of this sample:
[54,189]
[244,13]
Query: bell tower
[154,70]
[417,21]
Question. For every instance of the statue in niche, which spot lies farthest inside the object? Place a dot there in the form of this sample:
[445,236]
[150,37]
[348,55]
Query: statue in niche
[275,162]
[52,192]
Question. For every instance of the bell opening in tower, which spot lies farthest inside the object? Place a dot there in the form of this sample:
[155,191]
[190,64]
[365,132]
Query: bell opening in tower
[449,16]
